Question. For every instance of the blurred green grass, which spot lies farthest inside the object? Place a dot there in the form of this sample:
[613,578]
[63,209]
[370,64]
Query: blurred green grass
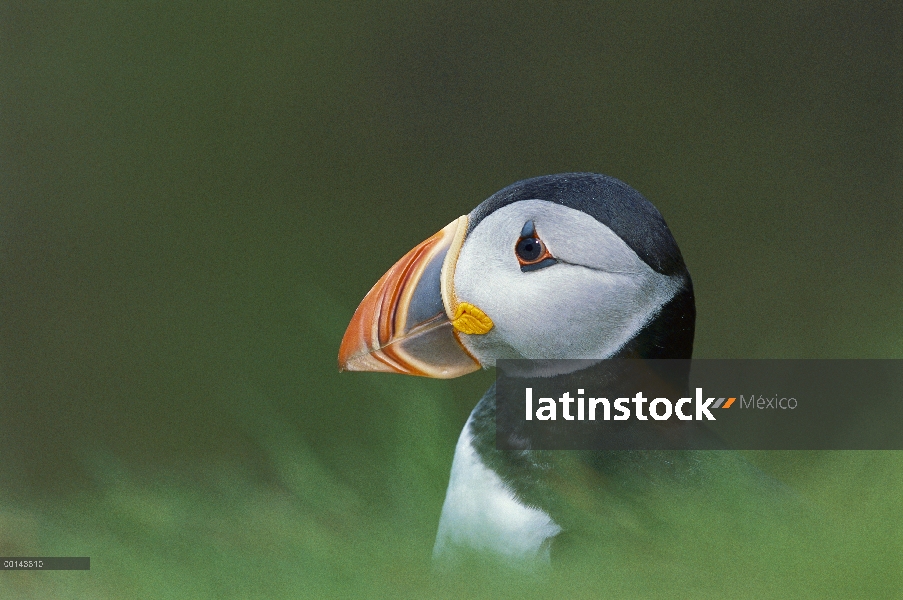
[306,534]
[298,525]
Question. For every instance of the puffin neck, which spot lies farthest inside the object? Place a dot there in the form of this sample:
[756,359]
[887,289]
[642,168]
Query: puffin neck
[670,333]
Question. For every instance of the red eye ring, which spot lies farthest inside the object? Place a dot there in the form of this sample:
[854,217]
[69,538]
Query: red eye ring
[530,250]
[532,253]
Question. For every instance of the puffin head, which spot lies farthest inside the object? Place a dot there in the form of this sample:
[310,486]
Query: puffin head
[576,266]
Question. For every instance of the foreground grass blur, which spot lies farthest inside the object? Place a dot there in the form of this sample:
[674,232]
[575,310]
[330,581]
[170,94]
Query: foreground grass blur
[224,534]
[310,520]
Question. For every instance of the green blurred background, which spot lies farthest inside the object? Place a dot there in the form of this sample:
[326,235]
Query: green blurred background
[194,198]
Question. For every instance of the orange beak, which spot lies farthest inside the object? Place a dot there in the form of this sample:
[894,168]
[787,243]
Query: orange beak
[405,323]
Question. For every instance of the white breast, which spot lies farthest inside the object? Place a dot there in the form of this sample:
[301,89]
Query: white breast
[481,513]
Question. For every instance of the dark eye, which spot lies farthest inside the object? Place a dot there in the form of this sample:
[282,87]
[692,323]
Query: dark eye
[531,253]
[529,249]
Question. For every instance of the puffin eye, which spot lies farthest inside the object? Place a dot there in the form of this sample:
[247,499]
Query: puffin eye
[529,249]
[531,253]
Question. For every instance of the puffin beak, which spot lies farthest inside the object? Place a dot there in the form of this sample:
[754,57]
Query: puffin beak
[410,322]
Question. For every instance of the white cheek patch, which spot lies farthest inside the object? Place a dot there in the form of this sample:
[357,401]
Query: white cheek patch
[589,305]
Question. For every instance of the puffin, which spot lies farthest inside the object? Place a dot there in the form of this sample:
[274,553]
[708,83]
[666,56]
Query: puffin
[566,266]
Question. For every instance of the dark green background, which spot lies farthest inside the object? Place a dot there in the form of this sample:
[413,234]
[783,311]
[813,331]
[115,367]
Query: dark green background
[193,199]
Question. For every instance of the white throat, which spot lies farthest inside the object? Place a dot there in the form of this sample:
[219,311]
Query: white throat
[481,513]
